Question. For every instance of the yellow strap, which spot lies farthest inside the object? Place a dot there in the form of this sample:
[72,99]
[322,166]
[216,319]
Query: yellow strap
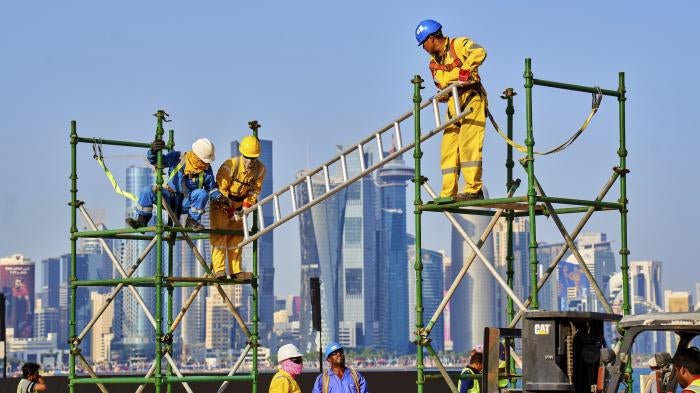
[523,149]
[109,175]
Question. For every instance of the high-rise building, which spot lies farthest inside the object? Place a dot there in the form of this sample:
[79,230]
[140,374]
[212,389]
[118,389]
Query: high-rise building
[433,288]
[646,297]
[393,261]
[193,326]
[266,265]
[597,252]
[102,335]
[133,332]
[321,233]
[676,301]
[521,261]
[45,319]
[447,283]
[474,303]
[357,280]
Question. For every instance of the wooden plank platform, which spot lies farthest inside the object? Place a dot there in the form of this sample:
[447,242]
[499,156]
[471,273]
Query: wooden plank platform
[208,280]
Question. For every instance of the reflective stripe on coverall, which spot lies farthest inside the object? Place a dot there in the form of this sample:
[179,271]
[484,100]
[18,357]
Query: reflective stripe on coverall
[462,143]
[241,185]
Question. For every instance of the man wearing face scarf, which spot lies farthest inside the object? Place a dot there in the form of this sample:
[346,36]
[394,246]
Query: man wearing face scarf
[290,366]
[240,181]
[189,185]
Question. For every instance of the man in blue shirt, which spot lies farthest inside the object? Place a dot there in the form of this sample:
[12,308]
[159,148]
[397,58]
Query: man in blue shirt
[339,378]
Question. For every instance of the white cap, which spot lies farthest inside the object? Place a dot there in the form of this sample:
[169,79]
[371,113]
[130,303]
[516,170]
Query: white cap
[204,150]
[660,359]
[287,351]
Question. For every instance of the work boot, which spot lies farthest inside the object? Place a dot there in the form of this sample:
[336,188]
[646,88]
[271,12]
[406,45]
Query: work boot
[220,275]
[468,196]
[193,224]
[138,222]
[242,276]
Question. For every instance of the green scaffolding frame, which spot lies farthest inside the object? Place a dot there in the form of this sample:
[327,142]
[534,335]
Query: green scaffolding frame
[534,203]
[163,337]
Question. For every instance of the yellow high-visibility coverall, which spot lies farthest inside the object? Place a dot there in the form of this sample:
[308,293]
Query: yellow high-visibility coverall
[282,382]
[242,186]
[462,143]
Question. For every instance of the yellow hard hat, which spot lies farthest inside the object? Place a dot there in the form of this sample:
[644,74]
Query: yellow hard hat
[250,147]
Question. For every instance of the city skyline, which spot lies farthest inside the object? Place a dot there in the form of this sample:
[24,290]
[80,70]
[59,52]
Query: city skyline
[81,62]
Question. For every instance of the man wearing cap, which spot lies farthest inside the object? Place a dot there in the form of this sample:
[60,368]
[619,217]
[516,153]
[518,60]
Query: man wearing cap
[290,366]
[339,378]
[652,382]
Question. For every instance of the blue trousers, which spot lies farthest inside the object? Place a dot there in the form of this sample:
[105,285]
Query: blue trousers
[194,203]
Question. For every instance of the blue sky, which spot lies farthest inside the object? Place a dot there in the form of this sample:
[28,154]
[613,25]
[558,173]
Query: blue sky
[317,74]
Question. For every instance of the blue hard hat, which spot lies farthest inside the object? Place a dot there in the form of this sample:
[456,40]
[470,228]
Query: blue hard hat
[332,347]
[425,29]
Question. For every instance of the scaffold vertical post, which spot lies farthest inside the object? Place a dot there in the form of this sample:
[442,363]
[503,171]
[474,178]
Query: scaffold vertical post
[170,288]
[622,153]
[158,279]
[531,193]
[73,251]
[510,111]
[418,266]
[254,125]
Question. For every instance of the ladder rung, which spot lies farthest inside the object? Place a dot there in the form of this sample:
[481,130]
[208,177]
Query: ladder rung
[245,226]
[261,220]
[380,146]
[455,95]
[276,203]
[361,152]
[294,198]
[399,142]
[309,188]
[436,112]
[326,178]
[344,168]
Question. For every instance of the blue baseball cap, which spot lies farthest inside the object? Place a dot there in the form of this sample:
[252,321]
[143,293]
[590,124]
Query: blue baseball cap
[332,347]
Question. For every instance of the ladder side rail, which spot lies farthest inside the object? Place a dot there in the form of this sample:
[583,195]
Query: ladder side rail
[301,209]
[393,125]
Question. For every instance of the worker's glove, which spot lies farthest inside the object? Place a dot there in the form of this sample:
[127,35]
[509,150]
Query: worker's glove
[465,76]
[157,145]
[222,200]
[444,98]
[237,215]
[246,204]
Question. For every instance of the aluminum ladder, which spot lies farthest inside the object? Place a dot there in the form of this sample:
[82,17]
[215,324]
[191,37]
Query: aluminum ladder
[298,207]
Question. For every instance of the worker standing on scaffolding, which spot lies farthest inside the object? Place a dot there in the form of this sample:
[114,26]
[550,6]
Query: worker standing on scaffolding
[240,181]
[190,184]
[457,60]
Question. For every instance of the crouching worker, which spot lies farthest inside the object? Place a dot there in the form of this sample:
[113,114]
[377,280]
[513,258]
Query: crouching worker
[190,184]
[240,181]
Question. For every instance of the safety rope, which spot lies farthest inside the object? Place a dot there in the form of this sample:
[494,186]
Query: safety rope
[97,155]
[595,104]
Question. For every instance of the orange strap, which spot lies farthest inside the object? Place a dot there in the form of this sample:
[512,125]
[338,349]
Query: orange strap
[456,63]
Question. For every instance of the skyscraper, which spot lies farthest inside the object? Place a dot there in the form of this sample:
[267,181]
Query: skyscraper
[266,265]
[521,261]
[597,252]
[474,303]
[133,331]
[321,233]
[357,279]
[393,260]
[433,287]
[646,296]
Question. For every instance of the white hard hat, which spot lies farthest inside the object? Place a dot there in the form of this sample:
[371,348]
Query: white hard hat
[204,150]
[287,351]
